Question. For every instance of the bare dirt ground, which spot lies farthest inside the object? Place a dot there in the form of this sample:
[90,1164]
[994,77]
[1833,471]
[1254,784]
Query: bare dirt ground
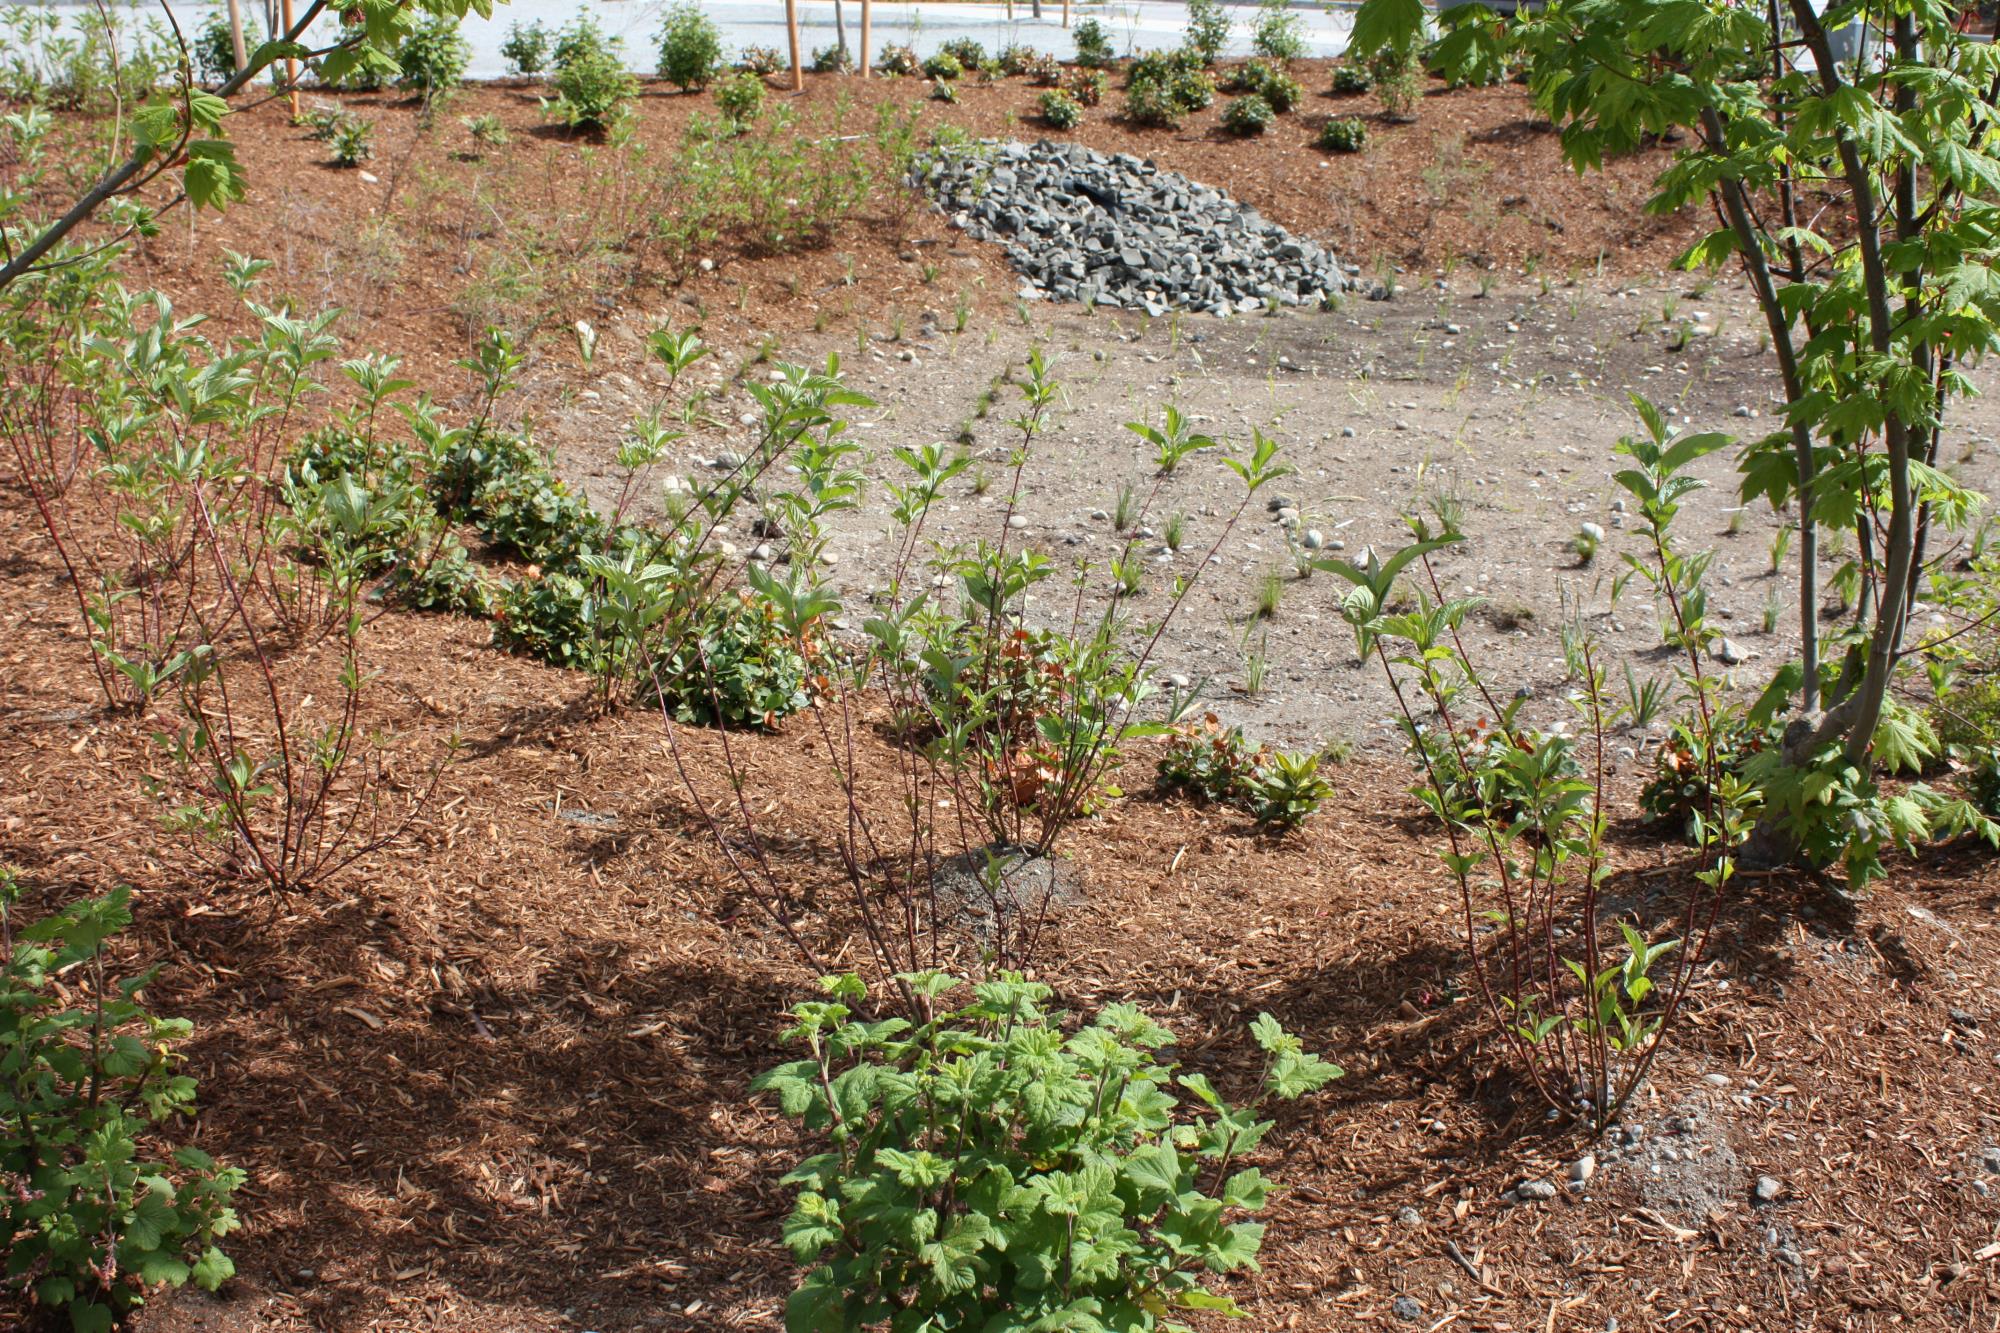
[497,1078]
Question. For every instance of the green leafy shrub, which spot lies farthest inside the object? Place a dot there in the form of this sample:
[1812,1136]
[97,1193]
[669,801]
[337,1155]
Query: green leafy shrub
[969,53]
[592,88]
[1093,44]
[526,49]
[90,1221]
[943,65]
[1270,82]
[213,50]
[984,1171]
[1288,790]
[1248,115]
[1397,74]
[690,47]
[1059,110]
[1343,134]
[832,59]
[763,61]
[547,616]
[1167,100]
[1207,29]
[898,62]
[1044,70]
[1209,762]
[1219,765]
[1016,60]
[1277,32]
[741,97]
[1087,86]
[353,141]
[433,56]
[1680,789]
[736,666]
[487,129]
[1965,717]
[1350,79]
[583,39]
[1161,66]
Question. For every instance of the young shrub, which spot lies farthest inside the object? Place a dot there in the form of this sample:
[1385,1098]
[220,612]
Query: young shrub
[1044,70]
[898,62]
[832,59]
[352,141]
[1192,89]
[943,90]
[487,130]
[214,51]
[1059,110]
[1275,85]
[1343,134]
[740,97]
[582,39]
[1093,44]
[433,57]
[1085,85]
[987,1171]
[1277,32]
[592,88]
[1248,115]
[1350,79]
[969,53]
[1207,29]
[1288,789]
[690,47]
[1150,103]
[526,49]
[1278,789]
[1016,60]
[943,65]
[763,61]
[1397,74]
[90,1218]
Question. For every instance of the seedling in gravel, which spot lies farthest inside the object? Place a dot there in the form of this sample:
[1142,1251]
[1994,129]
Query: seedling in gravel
[1270,592]
[1644,701]
[1774,611]
[1124,508]
[1781,545]
[961,313]
[1176,530]
[1256,664]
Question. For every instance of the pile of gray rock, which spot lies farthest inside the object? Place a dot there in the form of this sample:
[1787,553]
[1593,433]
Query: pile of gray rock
[1081,225]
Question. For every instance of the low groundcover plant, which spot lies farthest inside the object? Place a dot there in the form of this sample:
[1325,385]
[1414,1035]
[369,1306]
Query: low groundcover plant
[986,1171]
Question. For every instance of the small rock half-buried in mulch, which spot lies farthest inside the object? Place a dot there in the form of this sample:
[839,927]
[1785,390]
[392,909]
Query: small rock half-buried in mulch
[1113,229]
[1003,894]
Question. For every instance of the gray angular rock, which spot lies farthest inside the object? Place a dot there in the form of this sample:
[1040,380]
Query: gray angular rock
[1146,238]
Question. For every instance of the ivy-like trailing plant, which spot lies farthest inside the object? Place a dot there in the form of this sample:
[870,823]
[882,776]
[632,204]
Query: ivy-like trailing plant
[983,1170]
[91,1219]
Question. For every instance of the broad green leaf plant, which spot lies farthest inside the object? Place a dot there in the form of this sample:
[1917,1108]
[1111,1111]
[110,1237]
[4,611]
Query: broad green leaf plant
[93,1216]
[1849,156]
[984,1170]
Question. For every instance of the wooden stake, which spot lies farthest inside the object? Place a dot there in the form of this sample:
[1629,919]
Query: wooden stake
[867,22]
[236,35]
[792,27]
[1065,13]
[291,67]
